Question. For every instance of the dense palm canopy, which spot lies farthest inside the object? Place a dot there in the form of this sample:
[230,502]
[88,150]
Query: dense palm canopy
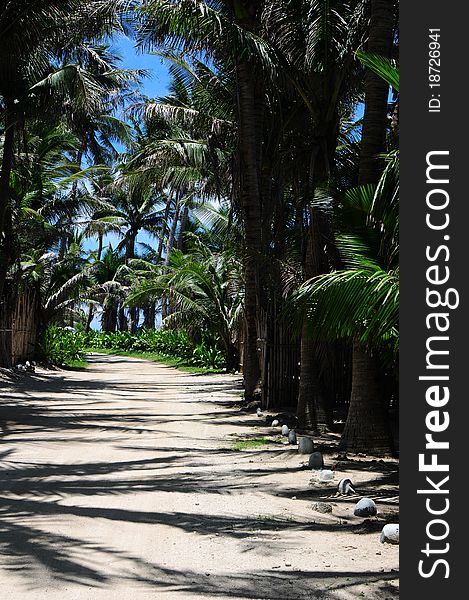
[270,215]
[361,301]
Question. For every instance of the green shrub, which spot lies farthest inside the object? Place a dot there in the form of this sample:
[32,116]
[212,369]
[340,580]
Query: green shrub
[62,347]
[205,355]
[167,342]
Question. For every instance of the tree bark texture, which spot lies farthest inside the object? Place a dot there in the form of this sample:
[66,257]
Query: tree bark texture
[367,426]
[251,210]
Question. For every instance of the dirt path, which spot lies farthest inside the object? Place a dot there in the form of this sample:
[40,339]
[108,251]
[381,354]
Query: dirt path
[121,482]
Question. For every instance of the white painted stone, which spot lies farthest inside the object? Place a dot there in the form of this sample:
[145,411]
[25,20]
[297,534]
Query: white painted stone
[365,507]
[326,475]
[390,534]
[346,487]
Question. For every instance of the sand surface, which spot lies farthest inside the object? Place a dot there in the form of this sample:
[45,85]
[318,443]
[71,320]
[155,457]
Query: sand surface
[121,481]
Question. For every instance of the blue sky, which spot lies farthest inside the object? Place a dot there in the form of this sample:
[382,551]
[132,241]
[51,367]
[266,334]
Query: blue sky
[156,84]
[153,86]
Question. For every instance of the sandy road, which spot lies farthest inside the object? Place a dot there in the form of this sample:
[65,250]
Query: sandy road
[121,482]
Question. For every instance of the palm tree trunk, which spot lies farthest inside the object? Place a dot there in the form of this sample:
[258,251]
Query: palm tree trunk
[376,93]
[182,228]
[121,321]
[312,409]
[66,237]
[169,247]
[6,222]
[367,425]
[249,152]
[164,228]
[109,317]
[149,315]
[132,323]
[6,237]
[172,234]
[90,316]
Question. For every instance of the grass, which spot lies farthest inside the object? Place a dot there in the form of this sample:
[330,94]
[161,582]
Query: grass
[170,361]
[256,442]
[75,365]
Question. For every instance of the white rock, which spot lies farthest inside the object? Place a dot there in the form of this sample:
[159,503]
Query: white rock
[305,445]
[285,430]
[346,487]
[326,475]
[292,437]
[365,508]
[390,534]
[275,423]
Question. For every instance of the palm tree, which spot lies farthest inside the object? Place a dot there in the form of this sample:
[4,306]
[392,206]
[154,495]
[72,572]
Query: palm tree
[205,291]
[137,207]
[60,283]
[365,386]
[108,289]
[380,42]
[361,304]
[228,32]
[32,40]
[317,41]
[29,36]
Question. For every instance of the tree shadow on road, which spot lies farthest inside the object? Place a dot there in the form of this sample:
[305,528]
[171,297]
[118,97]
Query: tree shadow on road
[40,500]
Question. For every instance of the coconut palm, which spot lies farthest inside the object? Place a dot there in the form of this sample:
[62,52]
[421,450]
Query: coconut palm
[361,303]
[107,288]
[228,33]
[30,37]
[205,291]
[33,38]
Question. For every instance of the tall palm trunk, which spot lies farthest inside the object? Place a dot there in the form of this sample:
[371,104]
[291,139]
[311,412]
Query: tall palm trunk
[169,248]
[367,425]
[249,152]
[109,316]
[312,410]
[89,318]
[164,228]
[149,315]
[182,228]
[121,320]
[172,235]
[66,236]
[376,93]
[6,237]
[133,310]
[6,217]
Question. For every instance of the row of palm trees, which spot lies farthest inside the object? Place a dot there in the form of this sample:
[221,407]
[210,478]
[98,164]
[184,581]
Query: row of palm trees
[272,213]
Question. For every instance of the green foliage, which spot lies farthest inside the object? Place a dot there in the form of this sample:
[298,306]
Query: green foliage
[206,355]
[63,347]
[252,443]
[165,342]
[66,347]
[360,303]
[206,295]
[383,67]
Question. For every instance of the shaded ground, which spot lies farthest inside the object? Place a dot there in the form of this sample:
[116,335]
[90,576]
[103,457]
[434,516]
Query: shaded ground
[121,482]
